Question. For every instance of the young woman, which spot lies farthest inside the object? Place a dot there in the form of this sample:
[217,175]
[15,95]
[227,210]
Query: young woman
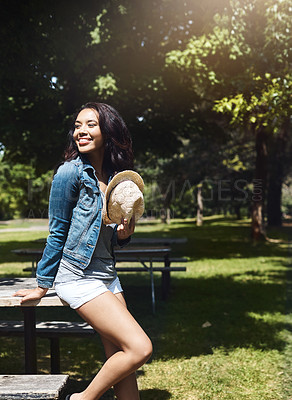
[78,257]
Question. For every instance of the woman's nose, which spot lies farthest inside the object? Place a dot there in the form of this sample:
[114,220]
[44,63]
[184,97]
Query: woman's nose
[83,130]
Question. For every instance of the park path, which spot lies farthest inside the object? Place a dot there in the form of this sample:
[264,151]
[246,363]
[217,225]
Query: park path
[30,229]
[40,224]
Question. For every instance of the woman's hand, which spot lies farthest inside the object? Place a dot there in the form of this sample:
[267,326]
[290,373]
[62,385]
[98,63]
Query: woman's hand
[31,294]
[126,229]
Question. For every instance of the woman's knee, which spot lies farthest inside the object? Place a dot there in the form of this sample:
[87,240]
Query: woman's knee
[142,351]
[146,350]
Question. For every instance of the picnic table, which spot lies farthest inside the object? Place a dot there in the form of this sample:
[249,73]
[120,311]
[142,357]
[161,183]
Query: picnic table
[8,286]
[153,241]
[160,241]
[144,255]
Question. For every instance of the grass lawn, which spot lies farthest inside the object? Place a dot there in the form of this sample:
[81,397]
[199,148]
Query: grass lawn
[224,333]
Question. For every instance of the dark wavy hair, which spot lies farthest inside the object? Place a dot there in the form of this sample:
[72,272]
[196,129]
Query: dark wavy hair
[118,153]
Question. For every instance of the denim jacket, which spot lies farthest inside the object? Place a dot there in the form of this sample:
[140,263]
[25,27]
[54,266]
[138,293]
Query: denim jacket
[74,219]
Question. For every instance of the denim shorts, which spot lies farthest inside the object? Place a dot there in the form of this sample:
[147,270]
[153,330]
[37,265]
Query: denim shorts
[78,292]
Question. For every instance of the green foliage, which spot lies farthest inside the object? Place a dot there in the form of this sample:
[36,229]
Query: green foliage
[236,51]
[46,73]
[268,105]
[241,68]
[22,193]
[95,33]
[162,64]
[172,184]
[95,51]
[105,86]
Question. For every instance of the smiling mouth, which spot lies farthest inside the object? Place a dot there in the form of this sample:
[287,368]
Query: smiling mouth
[84,141]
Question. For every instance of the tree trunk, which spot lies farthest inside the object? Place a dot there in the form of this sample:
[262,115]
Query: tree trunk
[168,215]
[259,186]
[237,211]
[274,200]
[277,161]
[199,206]
[165,215]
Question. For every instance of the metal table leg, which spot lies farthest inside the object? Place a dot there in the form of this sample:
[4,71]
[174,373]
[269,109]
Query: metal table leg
[30,340]
[150,269]
[152,287]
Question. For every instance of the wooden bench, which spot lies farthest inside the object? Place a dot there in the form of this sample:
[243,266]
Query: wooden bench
[52,330]
[28,387]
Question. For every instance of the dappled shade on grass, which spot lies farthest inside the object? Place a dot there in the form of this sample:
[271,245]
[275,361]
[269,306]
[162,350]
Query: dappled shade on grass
[224,332]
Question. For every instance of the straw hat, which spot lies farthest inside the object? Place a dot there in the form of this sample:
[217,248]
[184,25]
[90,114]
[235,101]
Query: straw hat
[123,198]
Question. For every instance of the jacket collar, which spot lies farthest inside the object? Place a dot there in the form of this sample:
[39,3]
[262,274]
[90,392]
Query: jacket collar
[86,165]
[85,162]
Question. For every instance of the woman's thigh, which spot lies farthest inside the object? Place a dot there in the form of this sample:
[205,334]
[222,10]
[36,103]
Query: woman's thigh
[109,347]
[108,315]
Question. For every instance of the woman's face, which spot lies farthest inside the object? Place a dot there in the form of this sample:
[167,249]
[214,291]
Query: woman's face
[87,133]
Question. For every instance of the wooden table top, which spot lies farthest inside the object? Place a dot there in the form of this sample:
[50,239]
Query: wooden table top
[8,286]
[128,250]
[144,251]
[161,241]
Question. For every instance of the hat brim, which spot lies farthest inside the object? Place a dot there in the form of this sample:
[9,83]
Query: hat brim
[127,175]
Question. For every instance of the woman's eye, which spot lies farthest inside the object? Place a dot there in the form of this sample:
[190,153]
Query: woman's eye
[91,125]
[77,126]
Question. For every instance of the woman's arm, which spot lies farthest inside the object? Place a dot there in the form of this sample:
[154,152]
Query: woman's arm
[63,198]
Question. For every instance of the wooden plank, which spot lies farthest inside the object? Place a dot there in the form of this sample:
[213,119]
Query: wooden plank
[28,387]
[50,328]
[8,286]
[65,327]
[160,240]
[28,252]
[145,252]
[45,301]
[154,269]
[156,253]
[145,240]
[122,258]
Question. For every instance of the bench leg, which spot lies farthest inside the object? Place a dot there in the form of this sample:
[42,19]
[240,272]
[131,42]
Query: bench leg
[165,279]
[30,340]
[165,284]
[55,355]
[33,267]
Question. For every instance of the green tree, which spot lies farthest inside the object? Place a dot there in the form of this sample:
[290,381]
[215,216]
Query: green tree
[47,69]
[267,112]
[240,66]
[99,50]
[72,53]
[22,193]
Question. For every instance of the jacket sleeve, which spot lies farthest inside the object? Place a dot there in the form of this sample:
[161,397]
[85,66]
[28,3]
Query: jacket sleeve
[63,198]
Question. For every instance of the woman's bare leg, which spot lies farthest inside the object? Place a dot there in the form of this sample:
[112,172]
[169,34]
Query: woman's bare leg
[127,388]
[112,320]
